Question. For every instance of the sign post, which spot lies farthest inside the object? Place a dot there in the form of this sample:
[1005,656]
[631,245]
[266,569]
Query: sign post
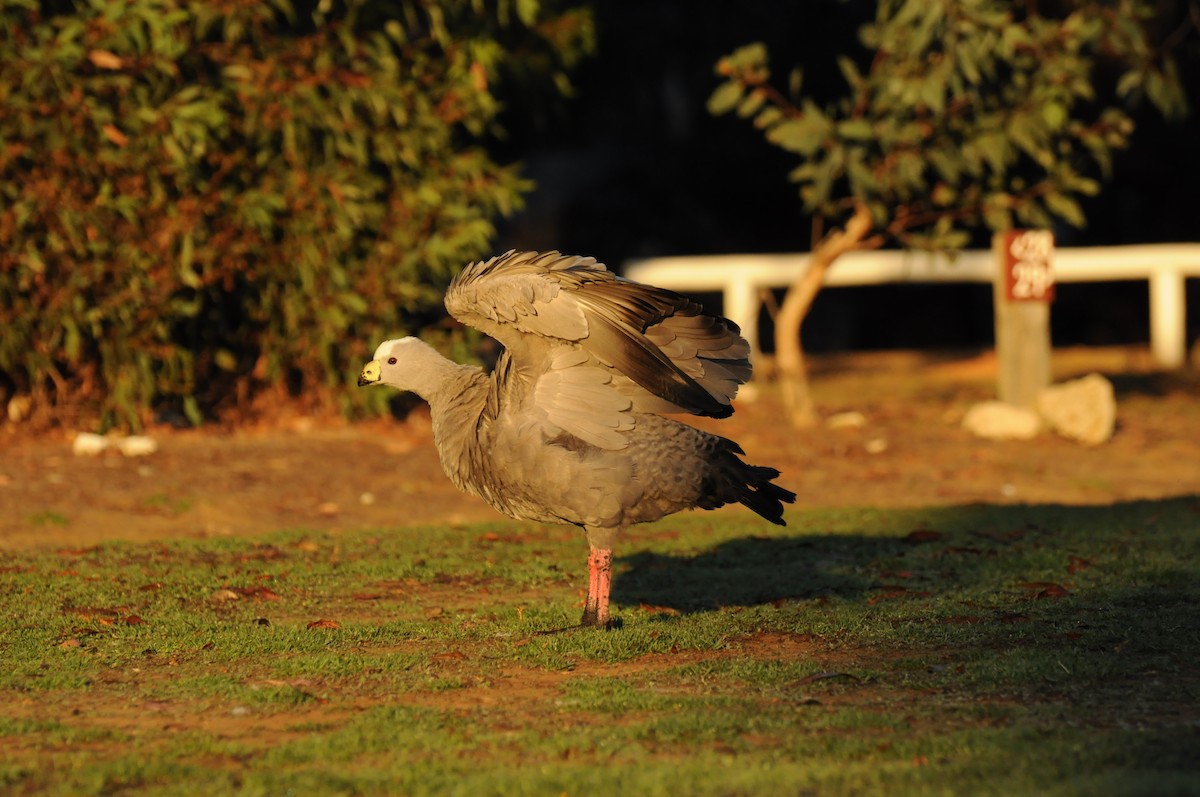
[1024,288]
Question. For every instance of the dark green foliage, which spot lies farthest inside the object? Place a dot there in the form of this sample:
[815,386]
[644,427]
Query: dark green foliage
[202,202]
[963,114]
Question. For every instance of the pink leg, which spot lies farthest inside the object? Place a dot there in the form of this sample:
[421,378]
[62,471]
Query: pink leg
[595,611]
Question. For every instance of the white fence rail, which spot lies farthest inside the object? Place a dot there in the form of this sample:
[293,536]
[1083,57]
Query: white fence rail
[741,278]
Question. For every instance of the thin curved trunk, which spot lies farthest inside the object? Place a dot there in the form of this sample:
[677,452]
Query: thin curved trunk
[789,354]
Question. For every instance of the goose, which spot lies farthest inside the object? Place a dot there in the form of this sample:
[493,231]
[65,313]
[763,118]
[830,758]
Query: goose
[570,426]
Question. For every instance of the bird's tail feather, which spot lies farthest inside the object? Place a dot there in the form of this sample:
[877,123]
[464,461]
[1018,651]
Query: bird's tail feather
[732,480]
[762,495]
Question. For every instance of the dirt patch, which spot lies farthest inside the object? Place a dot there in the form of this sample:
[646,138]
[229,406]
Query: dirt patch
[910,451]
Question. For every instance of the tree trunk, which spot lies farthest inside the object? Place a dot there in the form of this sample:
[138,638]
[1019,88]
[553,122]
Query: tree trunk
[789,354]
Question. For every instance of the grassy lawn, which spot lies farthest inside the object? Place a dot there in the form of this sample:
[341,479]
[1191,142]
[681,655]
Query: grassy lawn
[974,650]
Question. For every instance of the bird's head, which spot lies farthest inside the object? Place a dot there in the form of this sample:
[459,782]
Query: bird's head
[402,363]
[387,364]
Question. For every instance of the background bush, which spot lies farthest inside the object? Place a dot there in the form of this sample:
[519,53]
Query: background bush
[208,203]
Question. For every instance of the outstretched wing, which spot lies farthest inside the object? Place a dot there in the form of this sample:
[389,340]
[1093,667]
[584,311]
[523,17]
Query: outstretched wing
[658,348]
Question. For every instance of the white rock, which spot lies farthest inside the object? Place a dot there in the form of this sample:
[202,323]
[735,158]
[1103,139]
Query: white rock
[137,445]
[1083,409]
[748,393]
[998,420]
[846,420]
[87,444]
[19,408]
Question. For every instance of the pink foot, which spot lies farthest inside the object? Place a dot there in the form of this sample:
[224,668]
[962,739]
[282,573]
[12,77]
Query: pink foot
[595,610]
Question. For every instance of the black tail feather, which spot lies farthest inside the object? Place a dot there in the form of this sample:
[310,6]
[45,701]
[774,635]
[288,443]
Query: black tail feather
[732,480]
[763,496]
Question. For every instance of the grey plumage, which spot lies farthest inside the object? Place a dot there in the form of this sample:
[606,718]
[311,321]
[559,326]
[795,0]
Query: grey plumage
[568,426]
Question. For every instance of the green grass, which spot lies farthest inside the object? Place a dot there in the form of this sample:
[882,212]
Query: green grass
[984,650]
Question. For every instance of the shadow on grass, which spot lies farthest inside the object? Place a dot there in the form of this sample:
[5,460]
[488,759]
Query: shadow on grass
[751,571]
[956,548]
[1089,606]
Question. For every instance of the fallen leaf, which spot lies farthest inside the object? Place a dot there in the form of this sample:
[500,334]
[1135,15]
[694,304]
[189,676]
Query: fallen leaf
[892,591]
[70,643]
[133,619]
[1077,563]
[822,676]
[1046,589]
[918,536]
[1008,536]
[260,593]
[324,624]
[223,595]
[667,610]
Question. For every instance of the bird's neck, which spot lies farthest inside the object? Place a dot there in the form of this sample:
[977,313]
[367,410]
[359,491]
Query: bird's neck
[455,408]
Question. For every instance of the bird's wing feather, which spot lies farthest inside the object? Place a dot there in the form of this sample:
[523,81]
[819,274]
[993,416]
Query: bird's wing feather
[654,341]
[579,398]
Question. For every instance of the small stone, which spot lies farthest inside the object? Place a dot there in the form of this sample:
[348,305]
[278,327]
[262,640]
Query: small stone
[366,499]
[998,420]
[87,444]
[846,420]
[137,445]
[19,408]
[876,445]
[748,394]
[1083,409]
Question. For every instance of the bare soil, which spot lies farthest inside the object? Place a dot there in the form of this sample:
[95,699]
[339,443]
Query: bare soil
[911,451]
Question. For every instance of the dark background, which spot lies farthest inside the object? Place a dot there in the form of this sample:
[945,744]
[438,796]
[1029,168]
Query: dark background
[634,166]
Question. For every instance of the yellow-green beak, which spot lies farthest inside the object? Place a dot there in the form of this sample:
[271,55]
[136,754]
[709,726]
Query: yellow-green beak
[372,372]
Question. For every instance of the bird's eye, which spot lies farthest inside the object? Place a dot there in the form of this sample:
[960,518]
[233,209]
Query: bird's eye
[391,360]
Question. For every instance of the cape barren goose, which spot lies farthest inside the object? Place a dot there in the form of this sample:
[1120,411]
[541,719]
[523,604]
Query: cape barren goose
[568,427]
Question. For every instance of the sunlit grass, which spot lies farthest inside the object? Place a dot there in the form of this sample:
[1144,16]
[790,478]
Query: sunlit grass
[970,650]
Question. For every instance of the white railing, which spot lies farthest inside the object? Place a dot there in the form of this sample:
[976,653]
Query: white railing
[741,278]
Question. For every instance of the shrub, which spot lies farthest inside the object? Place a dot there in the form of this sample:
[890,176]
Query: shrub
[208,202]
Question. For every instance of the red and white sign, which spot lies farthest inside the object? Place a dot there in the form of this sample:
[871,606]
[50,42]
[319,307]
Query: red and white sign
[1028,270]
